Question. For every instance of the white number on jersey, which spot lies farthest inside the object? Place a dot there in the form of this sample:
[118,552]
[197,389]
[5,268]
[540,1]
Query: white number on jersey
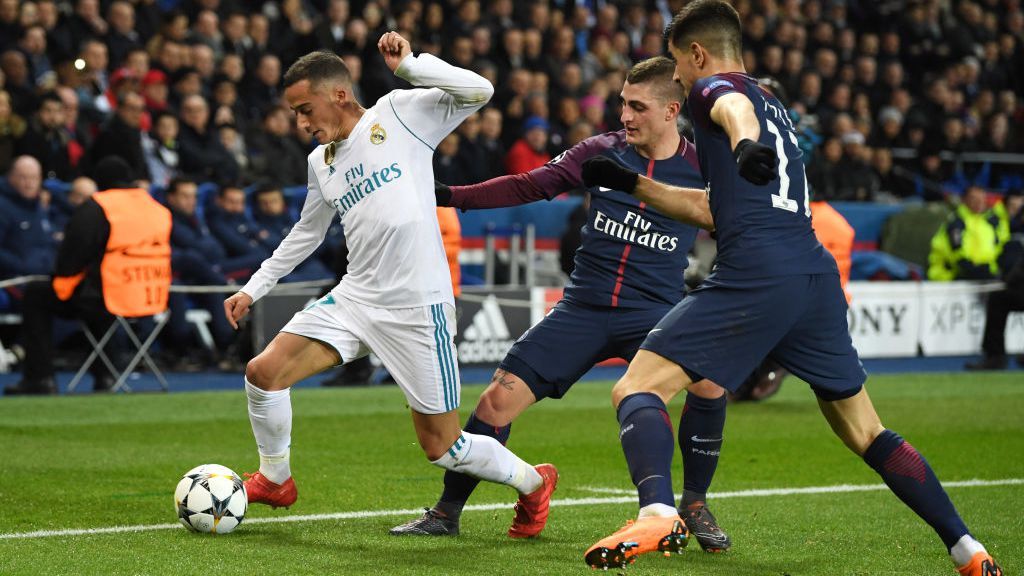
[782,199]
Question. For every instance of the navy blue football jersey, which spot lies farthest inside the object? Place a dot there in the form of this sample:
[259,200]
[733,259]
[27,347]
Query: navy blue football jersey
[762,231]
[630,255]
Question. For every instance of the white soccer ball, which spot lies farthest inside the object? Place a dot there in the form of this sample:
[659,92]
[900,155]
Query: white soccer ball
[210,498]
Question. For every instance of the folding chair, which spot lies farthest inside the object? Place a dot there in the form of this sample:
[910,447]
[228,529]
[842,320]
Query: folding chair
[141,352]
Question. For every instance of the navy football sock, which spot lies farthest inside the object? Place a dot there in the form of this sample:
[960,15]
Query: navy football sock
[646,436]
[458,487]
[700,441]
[910,477]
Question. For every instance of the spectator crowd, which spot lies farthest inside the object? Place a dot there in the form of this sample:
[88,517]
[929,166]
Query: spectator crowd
[891,98]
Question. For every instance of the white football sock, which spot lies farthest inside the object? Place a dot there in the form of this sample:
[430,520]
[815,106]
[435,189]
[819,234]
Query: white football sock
[485,458]
[270,414]
[965,549]
[657,509]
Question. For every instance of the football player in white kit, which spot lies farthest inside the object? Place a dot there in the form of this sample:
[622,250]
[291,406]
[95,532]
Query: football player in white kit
[375,173]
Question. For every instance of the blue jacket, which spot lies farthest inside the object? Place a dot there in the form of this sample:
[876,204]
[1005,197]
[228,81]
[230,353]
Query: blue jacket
[189,234]
[27,241]
[238,233]
[276,226]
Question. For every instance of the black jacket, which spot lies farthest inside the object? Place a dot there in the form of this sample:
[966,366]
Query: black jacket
[204,158]
[83,247]
[50,147]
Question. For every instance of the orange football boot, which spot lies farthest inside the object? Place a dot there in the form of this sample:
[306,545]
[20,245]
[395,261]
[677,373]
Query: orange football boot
[263,491]
[981,564]
[665,534]
[532,509]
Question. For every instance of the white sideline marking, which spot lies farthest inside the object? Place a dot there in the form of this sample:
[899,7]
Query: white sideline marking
[623,497]
[816,489]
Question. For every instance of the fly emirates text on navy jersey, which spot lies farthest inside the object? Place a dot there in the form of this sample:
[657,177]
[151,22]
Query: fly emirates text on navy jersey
[635,229]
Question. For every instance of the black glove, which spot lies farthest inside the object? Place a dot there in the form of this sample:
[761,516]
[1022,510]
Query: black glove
[602,171]
[755,161]
[442,193]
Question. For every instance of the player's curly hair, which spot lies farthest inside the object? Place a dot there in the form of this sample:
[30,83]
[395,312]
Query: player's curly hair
[658,71]
[714,24]
[318,67]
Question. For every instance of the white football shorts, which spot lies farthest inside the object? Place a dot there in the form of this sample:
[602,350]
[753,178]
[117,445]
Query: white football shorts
[416,345]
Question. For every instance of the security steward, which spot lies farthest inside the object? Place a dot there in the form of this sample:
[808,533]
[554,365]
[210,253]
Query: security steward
[115,259]
[968,245]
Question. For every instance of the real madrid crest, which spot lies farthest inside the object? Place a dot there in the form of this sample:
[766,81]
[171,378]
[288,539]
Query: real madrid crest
[377,134]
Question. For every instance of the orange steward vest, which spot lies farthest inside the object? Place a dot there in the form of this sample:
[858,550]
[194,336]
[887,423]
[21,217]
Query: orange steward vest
[451,235]
[136,268]
[836,235]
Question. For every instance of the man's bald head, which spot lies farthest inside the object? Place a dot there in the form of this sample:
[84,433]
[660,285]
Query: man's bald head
[26,177]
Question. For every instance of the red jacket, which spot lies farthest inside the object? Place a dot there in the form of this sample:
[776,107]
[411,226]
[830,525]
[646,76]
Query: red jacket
[521,158]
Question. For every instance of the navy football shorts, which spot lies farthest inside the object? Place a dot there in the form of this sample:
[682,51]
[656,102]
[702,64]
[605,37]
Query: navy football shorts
[725,328]
[551,356]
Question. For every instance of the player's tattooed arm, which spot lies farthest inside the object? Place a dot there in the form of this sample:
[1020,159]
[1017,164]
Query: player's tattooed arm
[503,379]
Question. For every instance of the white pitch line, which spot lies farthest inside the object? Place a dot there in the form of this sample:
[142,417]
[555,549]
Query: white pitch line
[625,496]
[816,489]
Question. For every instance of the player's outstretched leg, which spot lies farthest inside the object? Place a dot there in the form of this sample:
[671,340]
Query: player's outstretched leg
[701,427]
[485,458]
[443,518]
[270,413]
[646,436]
[910,477]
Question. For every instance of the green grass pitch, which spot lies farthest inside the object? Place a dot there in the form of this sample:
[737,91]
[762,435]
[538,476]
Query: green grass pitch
[97,462]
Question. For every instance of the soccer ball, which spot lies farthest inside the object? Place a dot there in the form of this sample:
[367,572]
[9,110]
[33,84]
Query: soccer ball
[210,498]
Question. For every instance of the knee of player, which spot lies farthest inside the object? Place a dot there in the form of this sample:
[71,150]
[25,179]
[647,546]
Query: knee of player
[259,373]
[622,388]
[706,389]
[493,409]
[629,385]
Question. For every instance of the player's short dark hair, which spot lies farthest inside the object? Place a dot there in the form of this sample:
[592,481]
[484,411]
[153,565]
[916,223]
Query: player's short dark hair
[657,71]
[318,67]
[713,24]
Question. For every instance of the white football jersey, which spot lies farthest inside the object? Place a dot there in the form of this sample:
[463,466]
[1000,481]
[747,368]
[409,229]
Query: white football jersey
[381,185]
